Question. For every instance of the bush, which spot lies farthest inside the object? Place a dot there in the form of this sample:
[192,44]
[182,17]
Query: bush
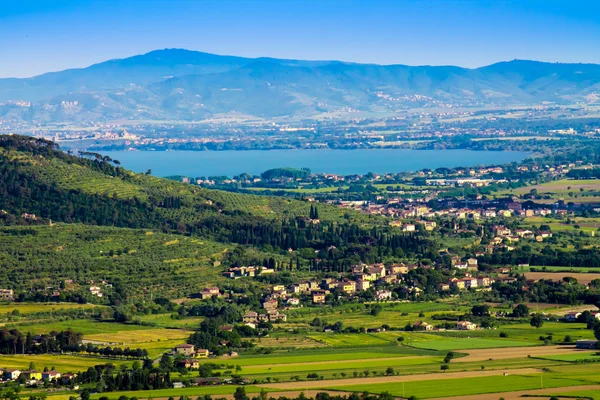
[503,334]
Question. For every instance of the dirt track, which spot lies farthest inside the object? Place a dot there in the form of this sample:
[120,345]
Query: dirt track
[400,378]
[518,395]
[514,352]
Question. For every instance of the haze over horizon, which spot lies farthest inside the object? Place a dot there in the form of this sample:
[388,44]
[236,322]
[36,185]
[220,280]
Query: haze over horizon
[46,37]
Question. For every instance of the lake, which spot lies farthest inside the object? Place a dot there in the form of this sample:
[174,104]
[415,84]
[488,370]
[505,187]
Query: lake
[342,162]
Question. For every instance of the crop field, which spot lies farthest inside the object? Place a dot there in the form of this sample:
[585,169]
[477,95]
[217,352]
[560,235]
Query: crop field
[395,315]
[329,354]
[296,342]
[468,386]
[479,383]
[573,357]
[563,186]
[63,363]
[165,321]
[165,393]
[553,268]
[85,326]
[32,308]
[583,278]
[131,337]
[580,394]
[444,343]
[349,339]
[558,330]
[354,364]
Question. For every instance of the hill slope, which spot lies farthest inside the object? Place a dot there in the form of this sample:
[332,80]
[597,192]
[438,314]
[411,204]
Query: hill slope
[182,84]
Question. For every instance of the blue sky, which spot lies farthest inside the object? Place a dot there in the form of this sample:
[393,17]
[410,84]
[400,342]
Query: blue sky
[49,35]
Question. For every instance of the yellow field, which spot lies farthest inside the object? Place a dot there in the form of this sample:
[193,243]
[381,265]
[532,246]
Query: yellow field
[133,337]
[63,363]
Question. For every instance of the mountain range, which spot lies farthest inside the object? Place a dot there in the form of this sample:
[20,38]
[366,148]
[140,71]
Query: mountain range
[177,84]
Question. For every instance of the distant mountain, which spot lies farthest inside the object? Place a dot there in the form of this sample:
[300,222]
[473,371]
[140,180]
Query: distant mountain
[190,85]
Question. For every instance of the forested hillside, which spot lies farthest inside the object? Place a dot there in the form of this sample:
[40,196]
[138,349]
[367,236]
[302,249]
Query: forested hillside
[86,218]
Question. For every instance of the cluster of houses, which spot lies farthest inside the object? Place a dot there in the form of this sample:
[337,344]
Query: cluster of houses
[191,355]
[399,208]
[460,326]
[574,316]
[272,314]
[505,239]
[33,376]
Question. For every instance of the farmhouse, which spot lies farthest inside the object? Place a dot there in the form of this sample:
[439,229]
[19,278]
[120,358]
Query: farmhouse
[383,295]
[465,326]
[202,353]
[422,326]
[32,375]
[319,297]
[210,292]
[250,317]
[293,301]
[188,363]
[6,294]
[586,344]
[185,349]
[572,316]
[50,375]
[11,374]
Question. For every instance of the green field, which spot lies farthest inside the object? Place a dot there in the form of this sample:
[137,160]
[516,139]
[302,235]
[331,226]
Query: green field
[471,386]
[191,391]
[85,326]
[32,308]
[165,321]
[326,355]
[586,356]
[466,343]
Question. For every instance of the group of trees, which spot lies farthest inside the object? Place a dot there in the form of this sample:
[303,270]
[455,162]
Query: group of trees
[14,341]
[140,377]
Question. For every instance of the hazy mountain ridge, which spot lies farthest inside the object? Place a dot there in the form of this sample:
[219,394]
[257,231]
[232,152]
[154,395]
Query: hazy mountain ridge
[183,84]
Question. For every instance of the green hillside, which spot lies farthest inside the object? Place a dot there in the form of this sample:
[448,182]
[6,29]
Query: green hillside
[87,219]
[43,181]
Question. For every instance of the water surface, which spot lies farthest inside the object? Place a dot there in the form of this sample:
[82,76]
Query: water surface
[342,162]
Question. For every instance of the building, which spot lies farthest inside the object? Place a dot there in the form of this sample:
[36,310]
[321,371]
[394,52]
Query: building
[572,316]
[383,295]
[586,344]
[185,349]
[96,291]
[270,305]
[293,301]
[31,375]
[319,297]
[347,286]
[188,363]
[11,374]
[50,375]
[422,326]
[7,294]
[408,228]
[465,326]
[202,353]
[210,292]
[363,284]
[67,378]
[250,317]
